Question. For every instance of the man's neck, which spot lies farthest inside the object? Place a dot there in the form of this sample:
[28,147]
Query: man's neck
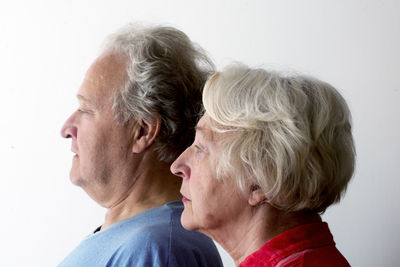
[153,187]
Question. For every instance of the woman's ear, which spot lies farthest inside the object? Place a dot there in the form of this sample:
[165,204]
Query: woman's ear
[257,196]
[145,133]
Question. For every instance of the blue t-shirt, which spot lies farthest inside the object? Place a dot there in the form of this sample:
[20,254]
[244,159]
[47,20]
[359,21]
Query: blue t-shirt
[152,238]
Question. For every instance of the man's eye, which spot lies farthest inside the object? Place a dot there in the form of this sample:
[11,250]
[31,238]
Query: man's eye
[83,111]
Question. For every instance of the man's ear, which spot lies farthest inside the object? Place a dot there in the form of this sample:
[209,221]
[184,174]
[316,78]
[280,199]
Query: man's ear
[145,133]
[257,196]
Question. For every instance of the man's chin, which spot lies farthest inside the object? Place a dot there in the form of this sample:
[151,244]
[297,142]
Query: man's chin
[75,179]
[74,173]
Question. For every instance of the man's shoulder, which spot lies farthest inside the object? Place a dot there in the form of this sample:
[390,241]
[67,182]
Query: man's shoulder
[160,237]
[154,224]
[152,238]
[161,226]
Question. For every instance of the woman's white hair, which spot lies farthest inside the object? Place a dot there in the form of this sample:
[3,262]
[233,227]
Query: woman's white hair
[166,73]
[290,136]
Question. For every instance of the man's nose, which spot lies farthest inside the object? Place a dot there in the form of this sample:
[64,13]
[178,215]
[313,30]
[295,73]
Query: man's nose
[69,129]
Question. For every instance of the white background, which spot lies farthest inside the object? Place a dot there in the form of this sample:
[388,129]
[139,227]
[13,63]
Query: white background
[46,47]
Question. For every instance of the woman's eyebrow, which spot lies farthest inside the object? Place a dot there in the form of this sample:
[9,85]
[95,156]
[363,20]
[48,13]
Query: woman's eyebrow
[205,132]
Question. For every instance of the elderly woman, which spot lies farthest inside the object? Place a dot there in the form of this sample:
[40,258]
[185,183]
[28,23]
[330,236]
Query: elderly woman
[271,153]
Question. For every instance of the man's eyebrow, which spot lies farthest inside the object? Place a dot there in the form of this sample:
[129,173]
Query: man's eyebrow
[84,99]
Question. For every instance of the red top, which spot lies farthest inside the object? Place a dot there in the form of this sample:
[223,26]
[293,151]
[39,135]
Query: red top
[306,245]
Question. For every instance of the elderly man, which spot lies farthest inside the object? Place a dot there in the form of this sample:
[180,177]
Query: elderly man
[138,106]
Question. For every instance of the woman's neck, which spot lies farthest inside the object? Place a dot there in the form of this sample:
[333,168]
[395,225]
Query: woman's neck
[253,228]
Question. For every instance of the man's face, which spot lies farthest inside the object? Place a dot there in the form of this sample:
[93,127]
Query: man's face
[210,203]
[101,145]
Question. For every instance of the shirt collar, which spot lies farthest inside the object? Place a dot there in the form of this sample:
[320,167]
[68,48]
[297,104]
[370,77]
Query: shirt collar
[299,238]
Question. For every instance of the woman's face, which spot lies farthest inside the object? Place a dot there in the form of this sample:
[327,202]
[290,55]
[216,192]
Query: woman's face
[209,203]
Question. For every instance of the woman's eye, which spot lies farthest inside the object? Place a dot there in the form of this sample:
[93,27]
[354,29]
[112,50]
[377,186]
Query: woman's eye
[198,148]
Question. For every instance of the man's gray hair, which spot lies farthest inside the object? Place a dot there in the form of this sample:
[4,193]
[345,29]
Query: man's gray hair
[165,76]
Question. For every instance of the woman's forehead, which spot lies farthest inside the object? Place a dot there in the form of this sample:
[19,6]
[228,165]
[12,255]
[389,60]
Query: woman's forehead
[205,129]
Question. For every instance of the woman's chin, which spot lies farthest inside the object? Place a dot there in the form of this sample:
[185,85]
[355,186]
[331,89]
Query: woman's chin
[187,222]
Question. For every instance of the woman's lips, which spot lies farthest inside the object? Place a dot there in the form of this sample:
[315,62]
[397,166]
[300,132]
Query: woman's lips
[184,199]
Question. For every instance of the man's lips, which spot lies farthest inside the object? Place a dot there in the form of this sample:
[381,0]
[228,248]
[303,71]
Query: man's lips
[73,150]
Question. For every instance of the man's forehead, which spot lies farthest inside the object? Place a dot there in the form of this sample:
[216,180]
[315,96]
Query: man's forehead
[108,68]
[106,74]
